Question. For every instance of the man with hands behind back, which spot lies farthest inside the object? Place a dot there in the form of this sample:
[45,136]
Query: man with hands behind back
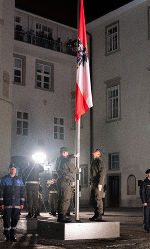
[97,177]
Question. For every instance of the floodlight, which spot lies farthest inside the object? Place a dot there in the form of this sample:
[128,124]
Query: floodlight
[39,157]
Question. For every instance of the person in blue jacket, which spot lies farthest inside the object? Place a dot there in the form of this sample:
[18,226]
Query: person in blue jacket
[12,193]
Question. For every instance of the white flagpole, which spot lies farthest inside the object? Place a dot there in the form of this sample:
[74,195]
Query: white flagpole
[77,175]
[77,145]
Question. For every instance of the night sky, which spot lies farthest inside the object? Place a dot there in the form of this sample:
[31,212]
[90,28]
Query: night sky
[65,11]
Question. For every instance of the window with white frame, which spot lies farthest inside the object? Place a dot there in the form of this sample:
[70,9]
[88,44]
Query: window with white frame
[113,102]
[84,175]
[113,161]
[22,123]
[38,28]
[112,38]
[18,70]
[44,76]
[47,31]
[59,128]
[44,30]
[18,23]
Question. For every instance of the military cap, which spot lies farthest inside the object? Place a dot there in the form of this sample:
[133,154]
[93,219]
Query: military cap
[12,165]
[63,149]
[147,171]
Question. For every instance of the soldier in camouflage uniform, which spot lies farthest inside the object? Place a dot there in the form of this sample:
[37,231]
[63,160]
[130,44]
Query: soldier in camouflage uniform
[52,196]
[97,175]
[32,189]
[65,170]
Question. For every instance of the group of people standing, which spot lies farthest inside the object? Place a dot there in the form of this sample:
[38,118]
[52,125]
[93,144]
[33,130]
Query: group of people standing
[12,191]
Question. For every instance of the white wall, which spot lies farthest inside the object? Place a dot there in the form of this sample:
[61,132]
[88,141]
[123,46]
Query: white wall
[131,135]
[6,48]
[58,104]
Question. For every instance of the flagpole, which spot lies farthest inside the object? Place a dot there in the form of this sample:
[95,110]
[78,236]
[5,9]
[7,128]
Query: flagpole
[77,175]
[83,92]
[77,144]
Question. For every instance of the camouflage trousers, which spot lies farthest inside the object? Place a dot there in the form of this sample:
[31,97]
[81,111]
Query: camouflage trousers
[53,202]
[64,196]
[32,191]
[96,201]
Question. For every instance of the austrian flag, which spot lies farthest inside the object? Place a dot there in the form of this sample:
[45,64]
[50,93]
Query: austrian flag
[83,83]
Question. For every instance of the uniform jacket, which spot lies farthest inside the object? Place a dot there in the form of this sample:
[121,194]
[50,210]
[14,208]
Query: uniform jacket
[53,188]
[12,191]
[65,168]
[97,173]
[145,191]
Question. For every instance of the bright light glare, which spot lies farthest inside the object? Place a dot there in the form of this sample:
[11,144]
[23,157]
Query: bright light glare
[39,157]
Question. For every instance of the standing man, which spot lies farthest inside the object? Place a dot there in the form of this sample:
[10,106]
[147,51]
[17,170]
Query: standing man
[32,183]
[52,196]
[11,201]
[145,197]
[65,170]
[97,175]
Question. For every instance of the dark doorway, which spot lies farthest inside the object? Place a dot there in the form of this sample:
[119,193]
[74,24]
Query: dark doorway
[113,190]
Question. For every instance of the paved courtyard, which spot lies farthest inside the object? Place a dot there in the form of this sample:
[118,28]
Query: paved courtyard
[132,234]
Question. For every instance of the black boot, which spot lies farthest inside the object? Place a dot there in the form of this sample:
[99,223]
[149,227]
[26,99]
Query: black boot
[35,216]
[96,217]
[29,215]
[63,219]
[93,217]
[54,213]
[13,239]
[7,238]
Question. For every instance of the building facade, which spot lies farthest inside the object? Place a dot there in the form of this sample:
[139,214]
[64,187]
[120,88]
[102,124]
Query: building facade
[37,92]
[6,52]
[121,93]
[43,93]
[37,95]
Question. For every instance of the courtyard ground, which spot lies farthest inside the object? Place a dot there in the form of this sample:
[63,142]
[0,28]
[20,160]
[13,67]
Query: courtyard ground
[132,234]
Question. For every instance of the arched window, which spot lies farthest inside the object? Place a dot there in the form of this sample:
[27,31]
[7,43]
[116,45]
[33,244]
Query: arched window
[131,185]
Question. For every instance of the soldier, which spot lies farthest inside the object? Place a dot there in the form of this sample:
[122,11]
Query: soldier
[145,197]
[65,170]
[40,198]
[11,201]
[97,174]
[52,196]
[72,200]
[32,189]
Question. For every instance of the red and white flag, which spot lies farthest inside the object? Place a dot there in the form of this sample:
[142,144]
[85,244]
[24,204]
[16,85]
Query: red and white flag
[83,83]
